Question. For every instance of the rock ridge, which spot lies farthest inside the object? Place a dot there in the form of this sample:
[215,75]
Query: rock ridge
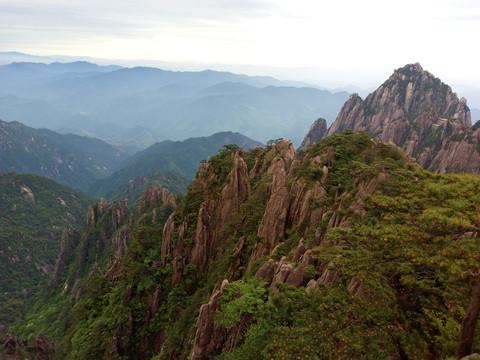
[419,113]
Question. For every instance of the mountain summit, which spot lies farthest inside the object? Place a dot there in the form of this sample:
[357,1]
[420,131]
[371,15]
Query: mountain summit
[419,113]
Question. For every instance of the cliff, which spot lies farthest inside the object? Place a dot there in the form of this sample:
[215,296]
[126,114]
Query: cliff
[346,248]
[317,131]
[419,113]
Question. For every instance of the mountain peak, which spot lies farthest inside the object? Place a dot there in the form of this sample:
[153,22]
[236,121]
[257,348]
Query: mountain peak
[410,72]
[419,113]
[411,68]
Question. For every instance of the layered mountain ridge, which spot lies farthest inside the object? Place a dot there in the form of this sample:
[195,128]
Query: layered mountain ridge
[418,113]
[172,164]
[136,107]
[71,160]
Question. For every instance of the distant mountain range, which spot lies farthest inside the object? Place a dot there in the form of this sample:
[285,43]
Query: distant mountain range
[137,107]
[103,170]
[72,160]
[345,248]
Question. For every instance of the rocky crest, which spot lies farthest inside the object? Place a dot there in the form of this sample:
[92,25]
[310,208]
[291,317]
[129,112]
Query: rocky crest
[289,204]
[273,245]
[318,130]
[419,113]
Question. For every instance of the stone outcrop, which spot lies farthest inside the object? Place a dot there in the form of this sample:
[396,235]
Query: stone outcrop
[27,194]
[155,194]
[208,336]
[134,184]
[213,215]
[401,99]
[45,347]
[318,130]
[69,241]
[16,348]
[419,113]
[272,227]
[288,203]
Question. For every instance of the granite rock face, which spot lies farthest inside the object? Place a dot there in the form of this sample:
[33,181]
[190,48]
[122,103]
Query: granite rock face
[419,113]
[318,130]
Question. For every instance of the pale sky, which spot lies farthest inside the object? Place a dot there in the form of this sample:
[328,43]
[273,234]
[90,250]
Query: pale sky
[309,40]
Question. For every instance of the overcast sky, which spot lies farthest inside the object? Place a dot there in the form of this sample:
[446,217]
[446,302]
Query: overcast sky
[310,40]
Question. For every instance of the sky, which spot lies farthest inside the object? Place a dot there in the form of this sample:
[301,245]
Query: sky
[330,43]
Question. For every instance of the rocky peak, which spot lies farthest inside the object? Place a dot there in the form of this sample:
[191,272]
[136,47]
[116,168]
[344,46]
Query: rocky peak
[414,90]
[133,184]
[417,112]
[282,150]
[156,194]
[317,131]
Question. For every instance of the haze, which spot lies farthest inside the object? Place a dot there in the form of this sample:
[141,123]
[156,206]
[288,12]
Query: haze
[332,43]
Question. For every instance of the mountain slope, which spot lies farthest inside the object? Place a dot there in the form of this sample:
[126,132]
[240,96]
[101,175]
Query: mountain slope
[346,249]
[33,212]
[69,159]
[172,163]
[422,115]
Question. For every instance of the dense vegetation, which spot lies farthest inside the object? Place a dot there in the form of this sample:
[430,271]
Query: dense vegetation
[71,160]
[415,252]
[172,164]
[33,212]
[404,259]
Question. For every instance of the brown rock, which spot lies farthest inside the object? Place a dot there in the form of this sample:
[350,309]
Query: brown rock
[27,194]
[14,345]
[299,251]
[329,276]
[168,230]
[417,112]
[272,227]
[295,277]
[356,288]
[208,337]
[155,194]
[282,270]
[312,285]
[266,271]
[69,240]
[283,150]
[236,190]
[317,131]
[45,347]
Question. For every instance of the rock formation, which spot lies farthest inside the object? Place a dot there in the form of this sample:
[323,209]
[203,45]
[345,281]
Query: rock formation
[17,348]
[418,113]
[318,130]
[336,246]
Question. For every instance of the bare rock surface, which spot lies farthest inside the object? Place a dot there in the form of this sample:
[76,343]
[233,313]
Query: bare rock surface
[419,113]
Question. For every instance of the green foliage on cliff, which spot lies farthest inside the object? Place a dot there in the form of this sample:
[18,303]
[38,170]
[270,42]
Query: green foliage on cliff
[71,160]
[33,212]
[399,244]
[412,254]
